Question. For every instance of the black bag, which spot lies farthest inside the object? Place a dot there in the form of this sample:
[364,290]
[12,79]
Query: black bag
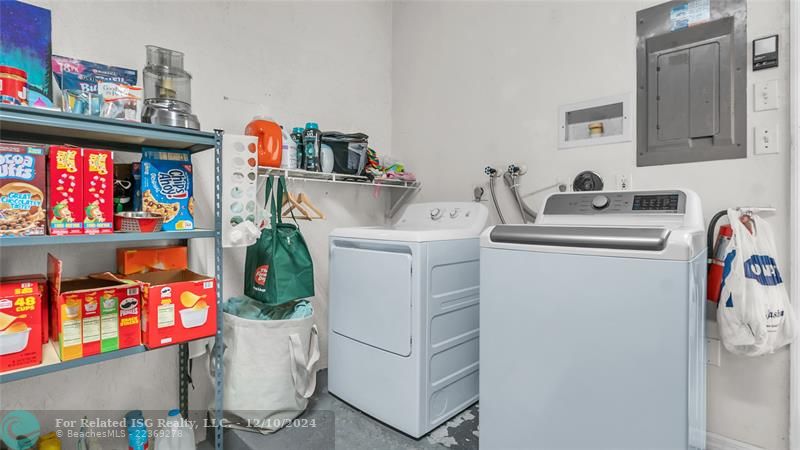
[349,151]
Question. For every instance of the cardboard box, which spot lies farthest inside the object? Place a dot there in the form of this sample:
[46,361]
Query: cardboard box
[65,190]
[140,260]
[20,325]
[41,280]
[98,191]
[22,190]
[178,306]
[80,307]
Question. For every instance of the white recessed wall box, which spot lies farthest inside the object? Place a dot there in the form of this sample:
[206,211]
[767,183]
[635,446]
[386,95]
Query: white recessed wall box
[594,122]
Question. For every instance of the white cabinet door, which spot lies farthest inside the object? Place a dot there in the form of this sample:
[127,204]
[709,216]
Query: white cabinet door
[370,297]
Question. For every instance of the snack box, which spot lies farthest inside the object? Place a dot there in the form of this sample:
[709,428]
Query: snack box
[138,260]
[23,182]
[41,280]
[98,191]
[90,315]
[20,325]
[178,306]
[166,187]
[65,190]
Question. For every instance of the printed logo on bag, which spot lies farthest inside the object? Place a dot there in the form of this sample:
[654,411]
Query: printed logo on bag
[763,269]
[261,274]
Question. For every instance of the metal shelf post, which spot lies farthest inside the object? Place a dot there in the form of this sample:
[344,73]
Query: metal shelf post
[219,345]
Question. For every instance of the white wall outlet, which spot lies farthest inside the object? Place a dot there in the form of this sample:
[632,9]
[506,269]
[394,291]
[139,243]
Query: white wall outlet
[766,95]
[713,352]
[766,140]
[624,182]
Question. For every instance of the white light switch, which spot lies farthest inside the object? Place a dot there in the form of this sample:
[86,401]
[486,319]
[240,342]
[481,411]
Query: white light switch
[713,351]
[766,140]
[766,95]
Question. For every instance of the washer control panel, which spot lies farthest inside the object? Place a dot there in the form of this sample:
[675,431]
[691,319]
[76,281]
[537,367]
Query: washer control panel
[624,202]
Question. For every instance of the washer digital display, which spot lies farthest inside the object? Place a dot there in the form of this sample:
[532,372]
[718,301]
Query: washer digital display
[660,202]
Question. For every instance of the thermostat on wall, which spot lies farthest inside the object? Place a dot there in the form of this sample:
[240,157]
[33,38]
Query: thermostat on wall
[765,52]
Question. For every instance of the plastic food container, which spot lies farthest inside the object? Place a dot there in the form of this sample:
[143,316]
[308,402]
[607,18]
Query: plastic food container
[137,222]
[13,86]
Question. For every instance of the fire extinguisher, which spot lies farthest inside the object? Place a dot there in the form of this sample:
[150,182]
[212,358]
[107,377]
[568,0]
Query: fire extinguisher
[716,262]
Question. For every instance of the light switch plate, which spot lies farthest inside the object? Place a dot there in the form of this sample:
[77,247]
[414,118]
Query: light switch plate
[713,352]
[766,140]
[765,95]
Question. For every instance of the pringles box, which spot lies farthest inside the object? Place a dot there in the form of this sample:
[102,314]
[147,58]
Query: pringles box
[90,315]
[98,191]
[137,260]
[65,190]
[179,306]
[20,325]
[22,190]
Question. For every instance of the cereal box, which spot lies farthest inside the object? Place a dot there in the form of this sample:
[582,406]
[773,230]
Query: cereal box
[80,313]
[166,187]
[178,306]
[20,325]
[137,260]
[98,191]
[65,190]
[22,187]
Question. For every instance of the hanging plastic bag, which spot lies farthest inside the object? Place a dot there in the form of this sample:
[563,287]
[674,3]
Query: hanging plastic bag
[278,268]
[754,315]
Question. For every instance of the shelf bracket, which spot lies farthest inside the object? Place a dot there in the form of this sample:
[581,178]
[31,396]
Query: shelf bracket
[398,200]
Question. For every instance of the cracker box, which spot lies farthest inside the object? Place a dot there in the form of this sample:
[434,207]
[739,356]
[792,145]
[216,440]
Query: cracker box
[81,310]
[166,187]
[137,260]
[20,325]
[22,190]
[178,306]
[65,190]
[98,191]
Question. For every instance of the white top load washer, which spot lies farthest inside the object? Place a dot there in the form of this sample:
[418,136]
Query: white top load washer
[404,315]
[593,324]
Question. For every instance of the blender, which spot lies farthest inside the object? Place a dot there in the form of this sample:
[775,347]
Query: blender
[167,90]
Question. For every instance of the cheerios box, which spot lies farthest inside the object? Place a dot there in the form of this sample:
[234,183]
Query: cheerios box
[98,191]
[93,314]
[166,187]
[65,190]
[22,190]
[20,324]
[178,306]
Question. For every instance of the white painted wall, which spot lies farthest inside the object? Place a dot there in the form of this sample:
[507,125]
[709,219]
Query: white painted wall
[324,61]
[480,83]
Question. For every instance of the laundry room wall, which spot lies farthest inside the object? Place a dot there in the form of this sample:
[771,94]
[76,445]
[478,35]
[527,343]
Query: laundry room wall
[328,62]
[480,83]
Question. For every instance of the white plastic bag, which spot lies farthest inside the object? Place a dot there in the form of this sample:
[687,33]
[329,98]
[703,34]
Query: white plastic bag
[270,371]
[754,315]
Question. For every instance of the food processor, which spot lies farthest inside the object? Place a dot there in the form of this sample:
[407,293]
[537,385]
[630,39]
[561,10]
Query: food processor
[167,90]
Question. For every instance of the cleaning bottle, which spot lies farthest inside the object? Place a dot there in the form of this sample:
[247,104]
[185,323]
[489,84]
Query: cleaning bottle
[311,144]
[289,151]
[270,140]
[137,430]
[176,434]
[297,137]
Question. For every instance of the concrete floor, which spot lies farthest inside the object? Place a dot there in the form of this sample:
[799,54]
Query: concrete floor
[339,425]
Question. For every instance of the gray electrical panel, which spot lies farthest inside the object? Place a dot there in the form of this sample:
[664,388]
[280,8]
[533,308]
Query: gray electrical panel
[691,82]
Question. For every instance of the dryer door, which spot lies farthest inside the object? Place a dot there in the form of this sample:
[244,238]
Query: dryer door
[370,296]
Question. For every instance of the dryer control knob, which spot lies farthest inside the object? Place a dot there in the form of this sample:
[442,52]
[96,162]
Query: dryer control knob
[436,214]
[454,213]
[600,202]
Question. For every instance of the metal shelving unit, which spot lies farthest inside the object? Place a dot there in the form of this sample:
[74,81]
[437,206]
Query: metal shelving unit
[55,127]
[400,194]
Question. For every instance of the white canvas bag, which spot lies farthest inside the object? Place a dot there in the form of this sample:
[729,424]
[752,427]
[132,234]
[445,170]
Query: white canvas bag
[754,313]
[270,371]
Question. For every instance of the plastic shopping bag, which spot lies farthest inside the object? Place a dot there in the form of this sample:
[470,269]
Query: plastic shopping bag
[754,313]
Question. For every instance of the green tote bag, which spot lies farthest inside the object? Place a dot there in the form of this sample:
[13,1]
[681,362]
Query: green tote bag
[278,267]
